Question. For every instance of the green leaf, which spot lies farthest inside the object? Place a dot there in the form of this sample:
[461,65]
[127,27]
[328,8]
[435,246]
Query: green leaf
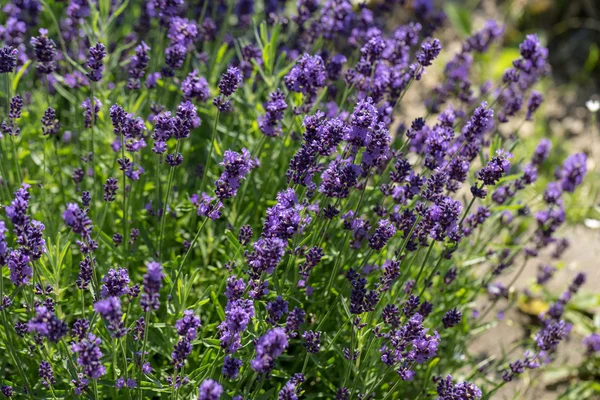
[18,75]
[64,93]
[592,59]
[217,305]
[460,17]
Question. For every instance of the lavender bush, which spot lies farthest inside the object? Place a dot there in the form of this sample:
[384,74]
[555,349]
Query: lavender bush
[221,200]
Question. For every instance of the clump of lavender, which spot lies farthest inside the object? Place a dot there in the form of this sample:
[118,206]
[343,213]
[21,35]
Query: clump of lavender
[348,259]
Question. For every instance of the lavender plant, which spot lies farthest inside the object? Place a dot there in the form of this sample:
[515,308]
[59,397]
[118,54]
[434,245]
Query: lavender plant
[223,200]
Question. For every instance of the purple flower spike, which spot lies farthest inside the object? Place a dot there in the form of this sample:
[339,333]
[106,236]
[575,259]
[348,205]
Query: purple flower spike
[152,284]
[236,167]
[45,53]
[8,59]
[230,81]
[572,172]
[307,75]
[268,348]
[496,168]
[94,63]
[89,355]
[210,390]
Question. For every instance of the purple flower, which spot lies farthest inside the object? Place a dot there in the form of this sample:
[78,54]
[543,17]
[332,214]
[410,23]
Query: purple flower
[46,374]
[152,284]
[78,220]
[410,306]
[592,344]
[8,59]
[545,273]
[572,172]
[534,102]
[269,123]
[231,367]
[210,390]
[45,53]
[230,81]
[90,116]
[181,352]
[238,314]
[147,369]
[50,124]
[553,193]
[45,323]
[137,66]
[293,322]
[18,265]
[188,325]
[452,318]
[307,75]
[378,147]
[94,63]
[496,168]
[110,189]
[383,233]
[89,355]
[541,151]
[174,57]
[208,206]
[14,113]
[4,250]
[480,41]
[7,391]
[276,309]
[185,120]
[284,219]
[362,122]
[80,329]
[195,87]
[430,49]
[268,348]
[551,334]
[115,283]
[533,56]
[237,166]
[291,389]
[245,235]
[447,390]
[110,310]
[312,341]
[182,32]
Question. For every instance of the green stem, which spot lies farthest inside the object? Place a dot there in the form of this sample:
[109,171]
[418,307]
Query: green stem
[187,253]
[209,159]
[164,214]
[422,266]
[143,355]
